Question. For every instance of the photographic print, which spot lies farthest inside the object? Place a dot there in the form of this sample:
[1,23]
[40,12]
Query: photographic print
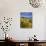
[26,19]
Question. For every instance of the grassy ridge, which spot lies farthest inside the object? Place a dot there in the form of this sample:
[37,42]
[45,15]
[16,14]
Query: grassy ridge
[25,22]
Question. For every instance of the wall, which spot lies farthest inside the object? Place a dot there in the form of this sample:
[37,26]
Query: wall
[12,8]
[45,28]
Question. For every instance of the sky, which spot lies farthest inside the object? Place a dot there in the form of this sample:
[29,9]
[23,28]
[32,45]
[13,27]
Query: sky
[26,14]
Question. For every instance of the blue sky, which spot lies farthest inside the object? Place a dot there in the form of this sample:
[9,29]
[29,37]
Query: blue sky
[26,14]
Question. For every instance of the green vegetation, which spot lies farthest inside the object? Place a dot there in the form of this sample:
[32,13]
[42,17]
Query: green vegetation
[25,22]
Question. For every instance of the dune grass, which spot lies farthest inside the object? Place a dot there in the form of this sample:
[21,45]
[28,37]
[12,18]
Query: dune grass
[25,22]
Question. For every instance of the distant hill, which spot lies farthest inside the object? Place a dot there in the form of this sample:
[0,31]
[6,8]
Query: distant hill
[26,17]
